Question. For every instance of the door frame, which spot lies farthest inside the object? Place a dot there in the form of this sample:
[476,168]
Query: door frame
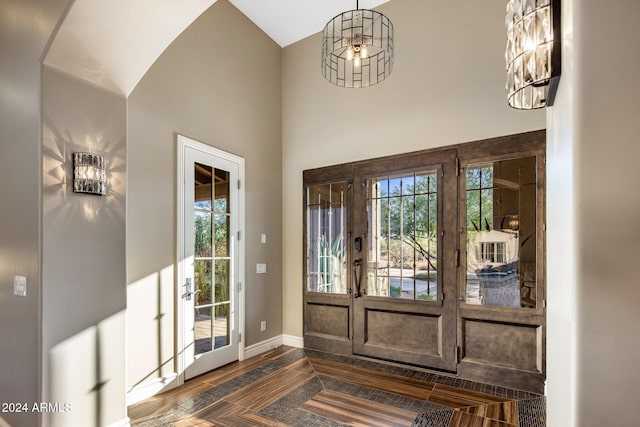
[501,319]
[185,143]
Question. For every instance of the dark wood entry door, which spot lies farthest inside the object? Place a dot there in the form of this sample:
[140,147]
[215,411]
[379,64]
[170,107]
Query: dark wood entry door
[404,305]
[380,259]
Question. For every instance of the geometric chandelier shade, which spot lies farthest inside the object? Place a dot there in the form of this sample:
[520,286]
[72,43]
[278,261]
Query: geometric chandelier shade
[357,48]
[532,53]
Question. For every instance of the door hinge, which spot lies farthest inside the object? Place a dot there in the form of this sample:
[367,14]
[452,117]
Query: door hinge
[457,257]
[239,337]
[457,166]
[459,354]
[239,235]
[239,287]
[238,184]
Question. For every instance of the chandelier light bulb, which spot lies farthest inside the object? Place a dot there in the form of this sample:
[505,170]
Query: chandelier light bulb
[363,52]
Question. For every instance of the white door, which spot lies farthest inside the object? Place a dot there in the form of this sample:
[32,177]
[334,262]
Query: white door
[209,257]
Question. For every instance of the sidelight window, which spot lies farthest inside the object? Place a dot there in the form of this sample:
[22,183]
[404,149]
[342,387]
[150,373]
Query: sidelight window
[501,233]
[326,237]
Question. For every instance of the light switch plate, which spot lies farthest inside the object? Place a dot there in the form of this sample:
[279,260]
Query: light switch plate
[263,238]
[261,268]
[20,286]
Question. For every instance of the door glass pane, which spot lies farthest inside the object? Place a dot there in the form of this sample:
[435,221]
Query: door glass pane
[403,236]
[222,281]
[202,231]
[221,325]
[221,242]
[202,331]
[501,233]
[203,279]
[326,238]
[212,258]
[203,186]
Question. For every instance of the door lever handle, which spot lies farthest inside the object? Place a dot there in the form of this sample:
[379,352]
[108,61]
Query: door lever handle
[189,289]
[357,276]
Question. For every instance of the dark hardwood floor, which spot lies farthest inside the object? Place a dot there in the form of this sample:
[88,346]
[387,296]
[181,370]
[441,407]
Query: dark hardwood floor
[295,387]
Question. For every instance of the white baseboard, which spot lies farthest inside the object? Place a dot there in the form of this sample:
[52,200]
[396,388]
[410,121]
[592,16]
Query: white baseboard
[293,341]
[122,423]
[262,346]
[151,388]
[271,343]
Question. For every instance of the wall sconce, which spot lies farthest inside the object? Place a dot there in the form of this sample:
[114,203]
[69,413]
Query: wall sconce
[89,174]
[533,52]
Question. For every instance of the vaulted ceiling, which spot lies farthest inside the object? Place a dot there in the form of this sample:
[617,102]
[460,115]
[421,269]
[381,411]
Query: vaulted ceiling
[113,43]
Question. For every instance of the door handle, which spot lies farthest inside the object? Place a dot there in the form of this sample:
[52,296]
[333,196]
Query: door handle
[357,276]
[188,289]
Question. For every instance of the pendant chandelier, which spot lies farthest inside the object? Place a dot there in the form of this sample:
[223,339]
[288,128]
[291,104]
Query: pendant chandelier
[357,48]
[532,53]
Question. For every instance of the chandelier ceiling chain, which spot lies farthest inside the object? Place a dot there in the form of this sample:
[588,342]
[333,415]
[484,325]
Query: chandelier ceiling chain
[357,48]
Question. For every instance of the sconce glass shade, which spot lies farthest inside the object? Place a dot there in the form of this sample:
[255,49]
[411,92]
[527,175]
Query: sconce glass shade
[357,48]
[89,174]
[532,53]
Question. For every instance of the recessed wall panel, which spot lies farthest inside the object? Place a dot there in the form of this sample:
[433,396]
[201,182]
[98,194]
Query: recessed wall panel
[499,344]
[332,320]
[405,331]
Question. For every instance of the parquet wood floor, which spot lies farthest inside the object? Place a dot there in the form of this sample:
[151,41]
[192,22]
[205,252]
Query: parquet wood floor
[294,387]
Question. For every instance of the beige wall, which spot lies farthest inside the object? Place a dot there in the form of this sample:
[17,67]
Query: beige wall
[447,87]
[25,28]
[218,83]
[83,264]
[593,133]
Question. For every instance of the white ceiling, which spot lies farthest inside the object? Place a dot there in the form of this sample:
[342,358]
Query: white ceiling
[113,43]
[287,21]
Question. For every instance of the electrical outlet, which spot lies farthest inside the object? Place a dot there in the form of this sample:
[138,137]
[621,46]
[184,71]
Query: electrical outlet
[261,268]
[263,325]
[263,238]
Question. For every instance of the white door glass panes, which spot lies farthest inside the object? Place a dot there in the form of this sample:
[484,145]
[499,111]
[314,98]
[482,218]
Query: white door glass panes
[326,238]
[212,257]
[403,236]
[501,233]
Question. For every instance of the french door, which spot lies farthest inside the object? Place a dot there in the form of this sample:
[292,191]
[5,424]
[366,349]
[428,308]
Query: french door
[209,261]
[432,259]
